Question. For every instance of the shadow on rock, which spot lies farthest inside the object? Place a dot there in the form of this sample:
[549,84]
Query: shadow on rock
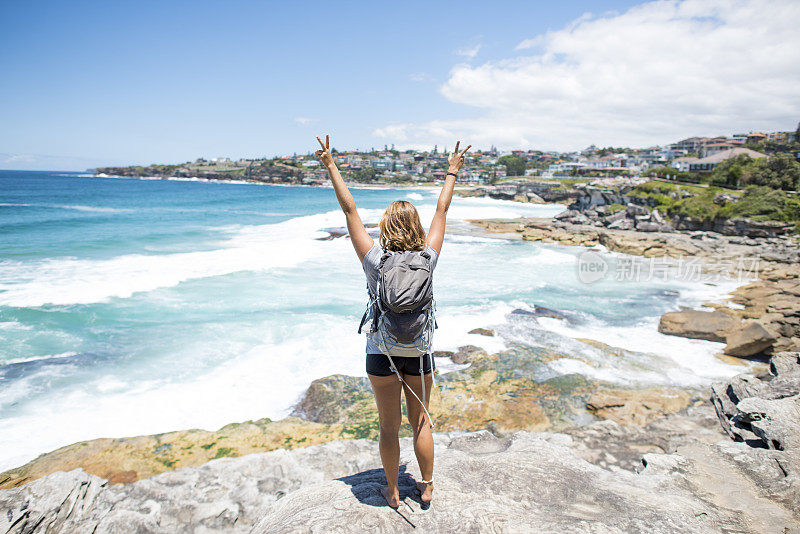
[366,486]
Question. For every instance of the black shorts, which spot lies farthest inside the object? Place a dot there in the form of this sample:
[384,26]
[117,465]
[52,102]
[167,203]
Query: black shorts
[378,364]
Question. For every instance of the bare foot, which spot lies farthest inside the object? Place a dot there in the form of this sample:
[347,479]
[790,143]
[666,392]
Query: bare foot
[392,500]
[425,491]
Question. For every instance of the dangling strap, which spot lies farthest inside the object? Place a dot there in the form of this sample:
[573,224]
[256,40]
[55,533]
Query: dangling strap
[422,379]
[363,319]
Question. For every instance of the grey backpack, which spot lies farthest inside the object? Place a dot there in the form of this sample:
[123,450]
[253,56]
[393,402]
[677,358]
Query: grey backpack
[403,308]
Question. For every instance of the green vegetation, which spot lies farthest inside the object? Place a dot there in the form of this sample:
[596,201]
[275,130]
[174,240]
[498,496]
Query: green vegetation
[692,201]
[561,181]
[223,452]
[759,203]
[614,208]
[613,150]
[762,203]
[515,165]
[674,174]
[779,171]
[595,173]
[699,207]
[166,462]
[364,175]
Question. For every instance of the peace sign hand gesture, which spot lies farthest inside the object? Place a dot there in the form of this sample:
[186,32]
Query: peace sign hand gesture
[456,159]
[325,155]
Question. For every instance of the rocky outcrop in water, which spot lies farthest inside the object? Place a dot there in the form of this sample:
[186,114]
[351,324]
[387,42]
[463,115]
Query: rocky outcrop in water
[716,251]
[637,407]
[773,304]
[524,191]
[768,320]
[697,324]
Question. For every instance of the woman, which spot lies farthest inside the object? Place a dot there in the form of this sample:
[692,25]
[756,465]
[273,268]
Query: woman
[400,230]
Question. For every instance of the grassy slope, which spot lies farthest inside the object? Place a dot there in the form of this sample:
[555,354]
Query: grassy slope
[757,203]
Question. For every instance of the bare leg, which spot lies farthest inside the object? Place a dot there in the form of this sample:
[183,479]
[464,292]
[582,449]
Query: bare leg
[423,439]
[387,397]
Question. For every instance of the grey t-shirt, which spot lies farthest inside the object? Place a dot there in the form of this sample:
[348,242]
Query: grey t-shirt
[371,262]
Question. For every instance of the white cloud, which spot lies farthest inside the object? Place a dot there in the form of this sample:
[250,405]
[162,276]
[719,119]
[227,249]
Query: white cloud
[653,74]
[397,132]
[420,77]
[19,158]
[469,52]
[304,120]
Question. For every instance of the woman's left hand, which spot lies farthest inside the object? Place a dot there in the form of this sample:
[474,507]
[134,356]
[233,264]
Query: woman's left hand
[456,159]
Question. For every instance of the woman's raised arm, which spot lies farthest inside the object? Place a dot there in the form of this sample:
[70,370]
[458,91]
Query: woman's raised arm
[436,233]
[361,240]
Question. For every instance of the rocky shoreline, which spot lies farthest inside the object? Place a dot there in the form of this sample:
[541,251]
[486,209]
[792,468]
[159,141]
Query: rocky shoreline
[763,316]
[596,477]
[725,463]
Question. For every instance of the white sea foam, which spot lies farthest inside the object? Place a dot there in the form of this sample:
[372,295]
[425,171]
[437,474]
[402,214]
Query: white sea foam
[547,256]
[67,354]
[77,207]
[415,196]
[64,281]
[100,209]
[677,361]
[81,281]
[264,381]
[15,325]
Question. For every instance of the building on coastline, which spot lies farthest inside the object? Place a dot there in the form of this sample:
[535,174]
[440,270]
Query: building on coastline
[565,167]
[690,145]
[781,137]
[708,163]
[710,149]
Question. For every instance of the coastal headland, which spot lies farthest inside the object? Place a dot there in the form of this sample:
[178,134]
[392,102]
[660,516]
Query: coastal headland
[703,459]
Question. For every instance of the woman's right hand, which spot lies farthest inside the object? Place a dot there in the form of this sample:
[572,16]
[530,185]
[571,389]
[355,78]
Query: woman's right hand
[325,155]
[456,159]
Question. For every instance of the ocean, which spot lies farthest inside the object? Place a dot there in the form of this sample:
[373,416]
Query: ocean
[133,306]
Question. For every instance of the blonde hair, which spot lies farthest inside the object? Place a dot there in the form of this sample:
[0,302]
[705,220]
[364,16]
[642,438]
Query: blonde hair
[400,227]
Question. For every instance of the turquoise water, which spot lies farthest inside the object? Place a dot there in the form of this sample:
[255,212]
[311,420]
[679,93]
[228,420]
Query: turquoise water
[139,306]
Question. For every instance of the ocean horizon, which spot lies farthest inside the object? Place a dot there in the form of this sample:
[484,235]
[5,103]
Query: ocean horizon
[132,306]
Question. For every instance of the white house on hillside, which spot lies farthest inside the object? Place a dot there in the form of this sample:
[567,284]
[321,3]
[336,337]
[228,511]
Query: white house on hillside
[708,163]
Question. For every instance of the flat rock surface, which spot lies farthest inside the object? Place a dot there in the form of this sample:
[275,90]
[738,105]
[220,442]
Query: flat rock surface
[692,479]
[536,483]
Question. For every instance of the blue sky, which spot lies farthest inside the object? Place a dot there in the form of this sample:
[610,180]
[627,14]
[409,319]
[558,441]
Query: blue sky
[90,83]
